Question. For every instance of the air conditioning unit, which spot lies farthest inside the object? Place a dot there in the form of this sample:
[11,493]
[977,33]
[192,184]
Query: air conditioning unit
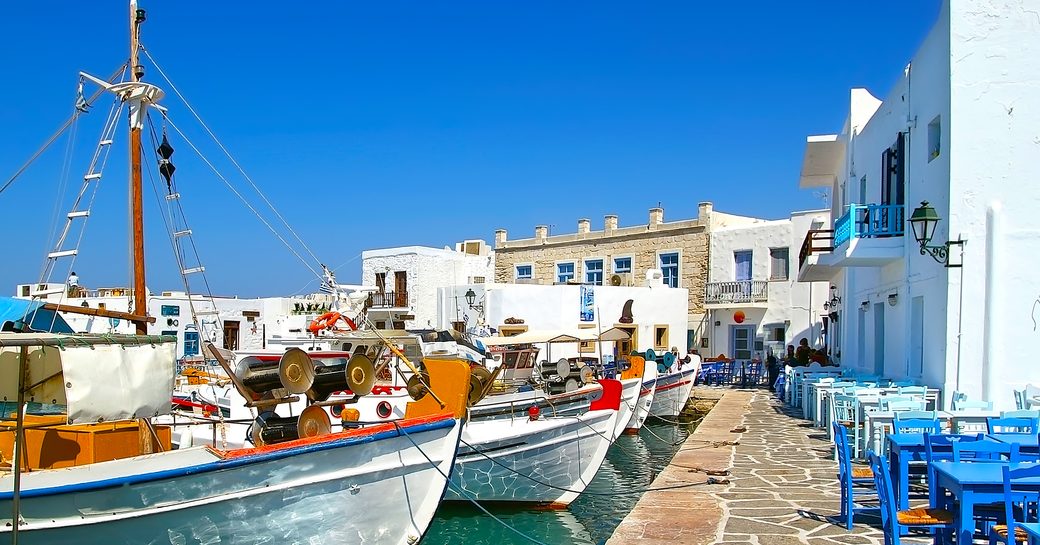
[618,279]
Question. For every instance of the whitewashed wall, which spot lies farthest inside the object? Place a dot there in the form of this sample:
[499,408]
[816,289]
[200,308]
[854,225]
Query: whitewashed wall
[974,77]
[428,269]
[793,305]
[558,307]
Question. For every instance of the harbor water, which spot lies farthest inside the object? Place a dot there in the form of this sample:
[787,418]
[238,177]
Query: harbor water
[632,463]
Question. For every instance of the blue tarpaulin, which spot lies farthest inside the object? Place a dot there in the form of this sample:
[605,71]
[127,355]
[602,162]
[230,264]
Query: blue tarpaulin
[31,312]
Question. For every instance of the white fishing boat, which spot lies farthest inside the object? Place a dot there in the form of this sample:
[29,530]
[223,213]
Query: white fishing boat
[533,459]
[673,388]
[646,395]
[102,472]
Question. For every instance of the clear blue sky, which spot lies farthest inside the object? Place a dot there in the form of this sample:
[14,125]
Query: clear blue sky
[424,123]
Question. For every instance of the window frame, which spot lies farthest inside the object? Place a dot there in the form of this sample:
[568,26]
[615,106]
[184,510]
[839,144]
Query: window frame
[614,267]
[787,260]
[573,273]
[678,266]
[516,271]
[602,270]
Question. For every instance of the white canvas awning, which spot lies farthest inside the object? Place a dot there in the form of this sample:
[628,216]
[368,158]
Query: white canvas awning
[559,336]
[98,379]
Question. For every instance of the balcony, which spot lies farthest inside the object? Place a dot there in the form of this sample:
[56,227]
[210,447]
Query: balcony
[813,264]
[387,299]
[737,293]
[869,235]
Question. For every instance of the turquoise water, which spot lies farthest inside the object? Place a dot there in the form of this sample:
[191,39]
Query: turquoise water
[632,464]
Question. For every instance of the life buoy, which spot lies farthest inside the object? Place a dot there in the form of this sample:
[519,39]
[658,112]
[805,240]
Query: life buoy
[328,321]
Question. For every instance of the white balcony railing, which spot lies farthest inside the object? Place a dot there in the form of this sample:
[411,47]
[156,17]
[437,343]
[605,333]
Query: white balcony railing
[738,291]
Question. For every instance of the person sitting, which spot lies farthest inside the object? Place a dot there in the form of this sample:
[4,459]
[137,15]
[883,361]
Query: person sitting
[803,353]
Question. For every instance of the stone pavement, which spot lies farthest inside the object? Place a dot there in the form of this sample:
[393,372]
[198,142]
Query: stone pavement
[782,483]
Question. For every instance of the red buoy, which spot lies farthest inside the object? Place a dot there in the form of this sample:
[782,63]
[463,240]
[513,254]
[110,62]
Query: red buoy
[533,412]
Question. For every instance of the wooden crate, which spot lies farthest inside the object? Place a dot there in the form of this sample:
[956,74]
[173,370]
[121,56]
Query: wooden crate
[78,444]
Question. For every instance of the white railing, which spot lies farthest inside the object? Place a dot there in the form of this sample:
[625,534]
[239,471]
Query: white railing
[738,291]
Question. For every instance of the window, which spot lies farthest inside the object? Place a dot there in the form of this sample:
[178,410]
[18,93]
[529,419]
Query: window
[742,265]
[779,263]
[191,343]
[622,265]
[777,333]
[934,138]
[661,337]
[564,272]
[594,271]
[586,346]
[523,272]
[479,279]
[670,268]
[170,310]
[893,172]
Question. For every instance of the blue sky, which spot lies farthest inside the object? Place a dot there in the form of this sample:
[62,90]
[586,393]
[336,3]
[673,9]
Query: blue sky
[398,123]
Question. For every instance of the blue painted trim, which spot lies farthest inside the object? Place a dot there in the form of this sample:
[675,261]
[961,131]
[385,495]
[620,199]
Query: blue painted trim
[224,464]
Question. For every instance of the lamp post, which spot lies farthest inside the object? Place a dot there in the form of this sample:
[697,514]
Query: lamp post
[471,300]
[923,221]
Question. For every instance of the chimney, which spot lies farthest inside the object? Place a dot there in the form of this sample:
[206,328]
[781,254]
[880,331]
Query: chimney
[541,232]
[583,226]
[656,217]
[609,223]
[500,237]
[704,211]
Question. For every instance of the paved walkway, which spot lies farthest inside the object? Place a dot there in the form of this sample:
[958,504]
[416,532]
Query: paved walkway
[782,484]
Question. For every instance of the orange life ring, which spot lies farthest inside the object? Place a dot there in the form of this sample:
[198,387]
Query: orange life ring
[328,321]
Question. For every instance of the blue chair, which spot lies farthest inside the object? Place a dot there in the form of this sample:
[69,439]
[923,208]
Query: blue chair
[780,385]
[985,451]
[893,521]
[939,448]
[1013,424]
[855,482]
[912,390]
[845,413]
[1029,531]
[1020,399]
[916,422]
[961,404]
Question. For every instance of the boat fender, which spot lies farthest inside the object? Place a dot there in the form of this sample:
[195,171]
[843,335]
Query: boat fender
[533,412]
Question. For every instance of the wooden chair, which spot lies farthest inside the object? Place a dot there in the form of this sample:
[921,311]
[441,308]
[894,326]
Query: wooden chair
[893,521]
[1022,531]
[855,481]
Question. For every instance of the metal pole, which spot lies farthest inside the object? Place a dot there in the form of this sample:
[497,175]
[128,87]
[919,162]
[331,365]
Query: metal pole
[19,445]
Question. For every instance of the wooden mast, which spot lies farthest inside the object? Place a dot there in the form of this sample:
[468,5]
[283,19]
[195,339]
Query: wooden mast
[136,194]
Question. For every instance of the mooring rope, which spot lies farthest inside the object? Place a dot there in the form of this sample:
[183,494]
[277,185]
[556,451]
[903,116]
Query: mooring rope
[462,492]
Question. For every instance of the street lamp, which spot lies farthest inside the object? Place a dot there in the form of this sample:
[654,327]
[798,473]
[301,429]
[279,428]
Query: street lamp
[924,221]
[471,300]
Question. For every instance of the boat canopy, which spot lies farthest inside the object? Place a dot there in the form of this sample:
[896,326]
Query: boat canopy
[31,312]
[99,378]
[559,336]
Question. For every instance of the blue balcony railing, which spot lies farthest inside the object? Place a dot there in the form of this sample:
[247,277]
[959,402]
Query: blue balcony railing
[869,221]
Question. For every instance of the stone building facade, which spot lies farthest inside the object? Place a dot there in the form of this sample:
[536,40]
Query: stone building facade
[675,253]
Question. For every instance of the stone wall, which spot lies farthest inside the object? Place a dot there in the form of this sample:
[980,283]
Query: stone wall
[691,241]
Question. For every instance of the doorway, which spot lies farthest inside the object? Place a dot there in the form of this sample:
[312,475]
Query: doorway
[879,339]
[231,334]
[400,289]
[741,341]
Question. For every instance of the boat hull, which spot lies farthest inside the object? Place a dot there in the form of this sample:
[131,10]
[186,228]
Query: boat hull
[361,488]
[547,461]
[672,392]
[646,399]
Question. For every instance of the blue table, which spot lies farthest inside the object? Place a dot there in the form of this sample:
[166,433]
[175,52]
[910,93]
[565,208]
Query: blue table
[1028,442]
[904,448]
[971,484]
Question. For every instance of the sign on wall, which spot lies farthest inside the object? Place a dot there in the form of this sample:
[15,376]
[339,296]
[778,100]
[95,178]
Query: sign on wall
[588,304]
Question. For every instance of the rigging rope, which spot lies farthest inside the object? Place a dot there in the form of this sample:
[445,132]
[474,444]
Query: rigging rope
[59,132]
[462,492]
[241,197]
[228,154]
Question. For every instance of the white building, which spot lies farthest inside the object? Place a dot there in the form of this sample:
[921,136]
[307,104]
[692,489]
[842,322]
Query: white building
[406,279]
[753,300]
[656,316]
[959,130]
